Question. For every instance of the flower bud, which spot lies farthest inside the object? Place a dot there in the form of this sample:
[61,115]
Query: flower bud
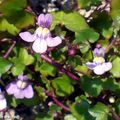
[112,99]
[98,45]
[72,50]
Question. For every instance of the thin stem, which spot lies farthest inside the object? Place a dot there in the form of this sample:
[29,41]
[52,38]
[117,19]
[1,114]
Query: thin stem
[51,95]
[9,50]
[59,67]
[115,116]
[29,10]
[111,45]
[57,102]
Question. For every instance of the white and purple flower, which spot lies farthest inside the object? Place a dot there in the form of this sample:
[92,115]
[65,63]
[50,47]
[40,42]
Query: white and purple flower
[3,102]
[99,66]
[21,88]
[42,37]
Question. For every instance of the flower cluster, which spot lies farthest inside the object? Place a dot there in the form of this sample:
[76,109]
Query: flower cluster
[42,36]
[99,66]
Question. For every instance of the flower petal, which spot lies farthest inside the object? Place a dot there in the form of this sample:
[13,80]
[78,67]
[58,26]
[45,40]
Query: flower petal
[91,65]
[52,42]
[12,88]
[41,19]
[107,66]
[28,92]
[27,36]
[19,94]
[22,77]
[99,52]
[99,69]
[3,104]
[39,46]
[48,20]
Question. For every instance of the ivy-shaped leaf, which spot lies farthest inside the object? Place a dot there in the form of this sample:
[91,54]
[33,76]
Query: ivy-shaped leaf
[115,12]
[73,21]
[24,59]
[80,110]
[45,69]
[61,83]
[86,35]
[5,65]
[115,69]
[88,3]
[92,86]
[99,111]
[6,26]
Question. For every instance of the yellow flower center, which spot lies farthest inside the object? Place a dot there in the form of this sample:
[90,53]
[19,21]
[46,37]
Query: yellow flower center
[98,60]
[21,84]
[39,30]
[45,31]
[42,31]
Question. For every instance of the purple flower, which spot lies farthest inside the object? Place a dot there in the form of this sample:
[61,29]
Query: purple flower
[20,88]
[99,66]
[42,37]
[3,103]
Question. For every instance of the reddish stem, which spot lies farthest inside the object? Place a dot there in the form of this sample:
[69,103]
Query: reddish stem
[115,116]
[59,67]
[9,50]
[57,102]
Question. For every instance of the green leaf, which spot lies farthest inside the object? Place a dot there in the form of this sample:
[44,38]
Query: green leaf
[75,22]
[81,68]
[29,102]
[57,19]
[80,110]
[87,3]
[69,117]
[117,106]
[6,26]
[18,69]
[102,22]
[115,67]
[69,20]
[41,93]
[5,65]
[86,35]
[54,108]
[21,20]
[9,7]
[61,83]
[84,47]
[92,86]
[20,62]
[46,69]
[24,20]
[44,117]
[110,84]
[74,60]
[99,111]
[104,43]
[88,56]
[115,12]
[25,58]
[14,12]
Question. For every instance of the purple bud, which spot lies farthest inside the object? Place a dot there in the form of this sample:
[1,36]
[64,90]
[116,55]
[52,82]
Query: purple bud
[72,50]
